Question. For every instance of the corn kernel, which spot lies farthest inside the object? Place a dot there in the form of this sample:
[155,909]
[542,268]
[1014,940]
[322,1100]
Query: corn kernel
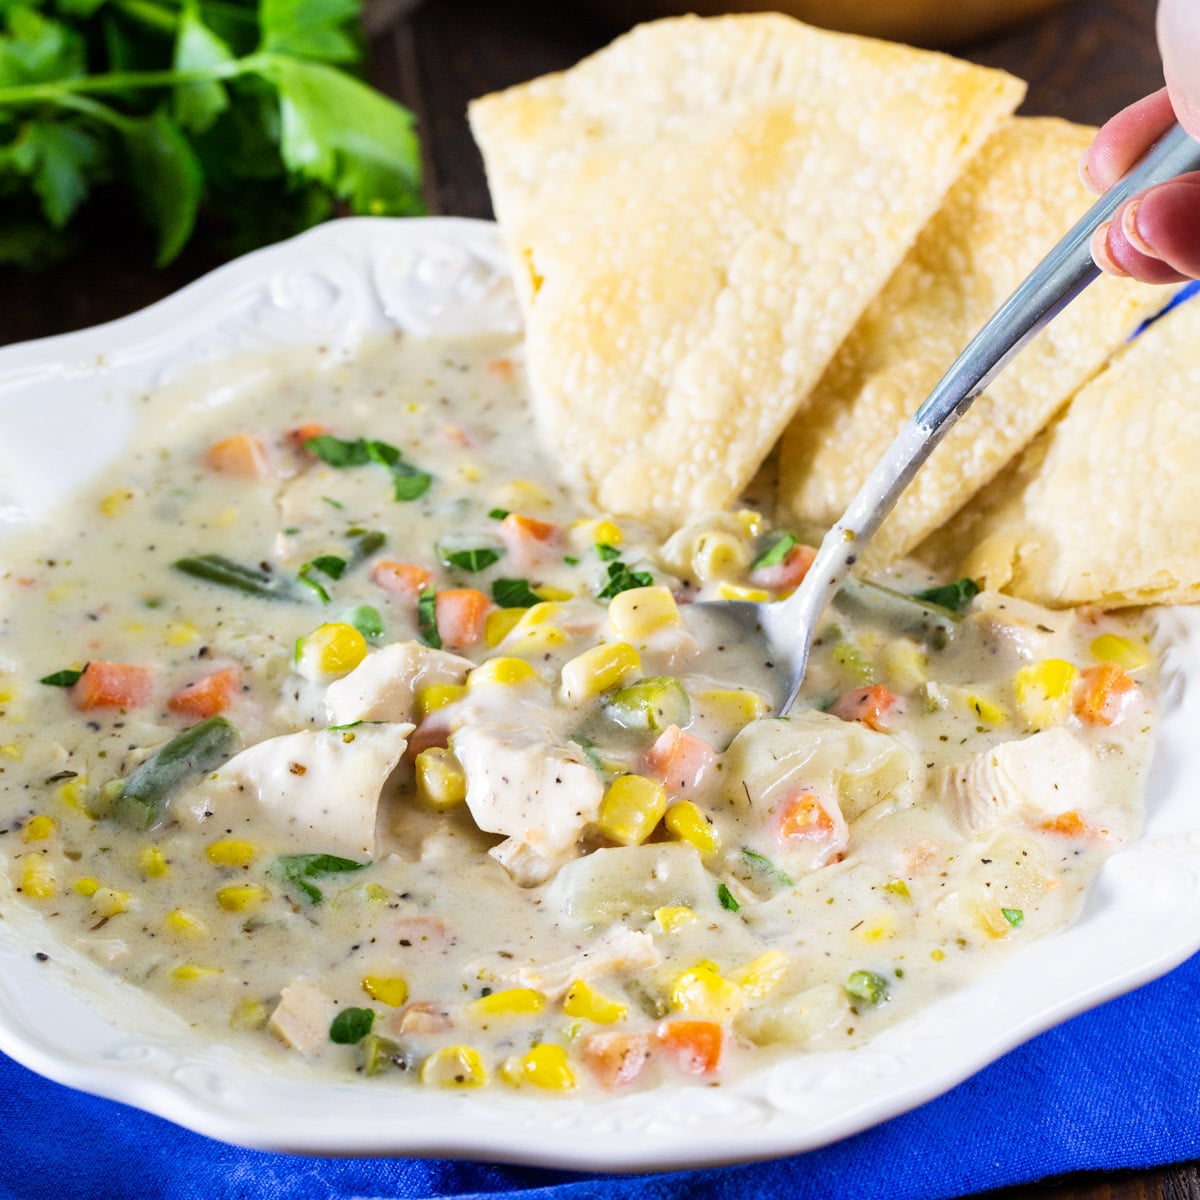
[703,992]
[673,917]
[544,1066]
[331,649]
[543,640]
[499,623]
[736,591]
[522,496]
[12,752]
[183,924]
[506,671]
[762,974]
[582,1000]
[732,707]
[898,888]
[231,852]
[108,902]
[988,711]
[718,556]
[937,955]
[227,517]
[607,532]
[438,695]
[249,1015]
[637,613]
[153,862]
[38,829]
[238,897]
[112,504]
[454,1066]
[1128,655]
[37,879]
[750,521]
[631,808]
[688,823]
[73,794]
[391,990]
[512,1002]
[180,633]
[190,972]
[598,670]
[905,663]
[554,594]
[470,472]
[441,782]
[87,886]
[1043,692]
[877,928]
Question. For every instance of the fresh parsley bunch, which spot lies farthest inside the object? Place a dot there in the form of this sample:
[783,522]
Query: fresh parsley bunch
[244,106]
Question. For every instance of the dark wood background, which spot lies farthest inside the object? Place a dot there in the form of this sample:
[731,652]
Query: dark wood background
[1083,61]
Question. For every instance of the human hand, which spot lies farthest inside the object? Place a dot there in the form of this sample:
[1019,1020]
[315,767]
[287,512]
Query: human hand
[1155,236]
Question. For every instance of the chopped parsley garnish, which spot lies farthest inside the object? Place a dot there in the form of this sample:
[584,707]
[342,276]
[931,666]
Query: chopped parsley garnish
[298,869]
[867,986]
[408,483]
[779,545]
[514,593]
[369,540]
[498,514]
[622,579]
[762,863]
[607,553]
[570,560]
[728,900]
[332,502]
[1014,916]
[64,679]
[427,618]
[329,565]
[477,559]
[954,596]
[351,1025]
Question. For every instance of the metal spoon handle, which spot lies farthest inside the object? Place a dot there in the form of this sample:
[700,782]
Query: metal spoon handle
[1057,280]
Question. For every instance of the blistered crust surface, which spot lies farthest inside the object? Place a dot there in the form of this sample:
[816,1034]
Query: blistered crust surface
[1014,201]
[697,215]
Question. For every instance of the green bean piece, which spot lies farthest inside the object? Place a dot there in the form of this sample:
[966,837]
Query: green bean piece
[651,704]
[216,568]
[377,1054]
[872,989]
[195,752]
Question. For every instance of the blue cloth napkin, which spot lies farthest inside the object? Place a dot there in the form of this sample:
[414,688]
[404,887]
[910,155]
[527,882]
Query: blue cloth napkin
[1116,1087]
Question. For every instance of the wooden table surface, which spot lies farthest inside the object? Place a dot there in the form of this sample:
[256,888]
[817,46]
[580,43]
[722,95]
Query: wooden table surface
[1083,61]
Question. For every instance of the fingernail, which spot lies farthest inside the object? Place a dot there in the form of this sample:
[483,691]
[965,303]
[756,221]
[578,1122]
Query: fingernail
[1130,230]
[1085,174]
[1099,248]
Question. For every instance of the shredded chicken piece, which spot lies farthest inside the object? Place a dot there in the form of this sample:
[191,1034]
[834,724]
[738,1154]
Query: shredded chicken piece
[301,1018]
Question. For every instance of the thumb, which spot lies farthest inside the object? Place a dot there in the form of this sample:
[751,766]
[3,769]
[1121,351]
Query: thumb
[1179,45]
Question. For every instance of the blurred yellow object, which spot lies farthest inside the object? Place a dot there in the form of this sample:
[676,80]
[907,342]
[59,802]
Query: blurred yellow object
[919,22]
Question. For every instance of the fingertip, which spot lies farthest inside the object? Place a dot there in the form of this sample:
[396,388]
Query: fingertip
[1085,172]
[1100,252]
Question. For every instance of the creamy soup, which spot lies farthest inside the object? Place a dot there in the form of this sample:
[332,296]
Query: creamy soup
[335,718]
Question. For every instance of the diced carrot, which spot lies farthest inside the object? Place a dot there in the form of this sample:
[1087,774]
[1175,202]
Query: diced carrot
[871,706]
[502,368]
[306,432]
[208,696]
[112,685]
[789,574]
[803,817]
[241,454]
[460,616]
[404,581]
[456,435]
[1071,823]
[696,1044]
[615,1058]
[433,731]
[1099,693]
[527,539]
[679,761]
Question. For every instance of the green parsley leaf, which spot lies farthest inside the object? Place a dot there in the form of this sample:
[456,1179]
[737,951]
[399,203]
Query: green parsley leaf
[498,514]
[195,106]
[514,593]
[606,552]
[954,596]
[622,579]
[337,452]
[369,541]
[309,29]
[333,503]
[766,866]
[1014,916]
[477,559]
[867,986]
[570,560]
[351,1025]
[778,547]
[408,483]
[63,679]
[61,160]
[329,564]
[427,618]
[298,869]
[728,900]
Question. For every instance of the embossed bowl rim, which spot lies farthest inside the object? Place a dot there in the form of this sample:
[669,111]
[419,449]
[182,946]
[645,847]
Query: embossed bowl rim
[72,1022]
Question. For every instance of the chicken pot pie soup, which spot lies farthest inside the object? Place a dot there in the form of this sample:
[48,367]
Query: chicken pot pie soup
[339,721]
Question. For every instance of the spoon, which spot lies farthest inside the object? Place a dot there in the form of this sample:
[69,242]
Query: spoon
[787,626]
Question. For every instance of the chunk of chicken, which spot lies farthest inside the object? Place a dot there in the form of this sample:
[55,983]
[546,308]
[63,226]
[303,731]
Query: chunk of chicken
[1049,772]
[324,784]
[540,794]
[385,685]
[301,1018]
